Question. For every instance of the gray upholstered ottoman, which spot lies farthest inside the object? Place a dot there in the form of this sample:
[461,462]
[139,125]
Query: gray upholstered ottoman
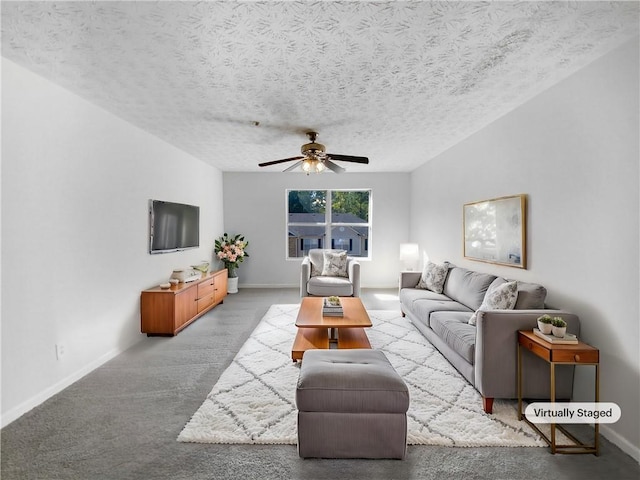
[351,404]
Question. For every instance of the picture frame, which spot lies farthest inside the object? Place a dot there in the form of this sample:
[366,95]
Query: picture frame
[495,231]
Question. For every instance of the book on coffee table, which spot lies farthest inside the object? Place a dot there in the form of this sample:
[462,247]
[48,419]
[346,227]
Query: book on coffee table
[568,339]
[330,309]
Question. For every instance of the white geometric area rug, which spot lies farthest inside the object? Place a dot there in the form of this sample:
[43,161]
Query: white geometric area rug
[253,402]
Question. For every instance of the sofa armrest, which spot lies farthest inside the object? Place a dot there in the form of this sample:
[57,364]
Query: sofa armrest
[409,279]
[305,275]
[496,350]
[353,269]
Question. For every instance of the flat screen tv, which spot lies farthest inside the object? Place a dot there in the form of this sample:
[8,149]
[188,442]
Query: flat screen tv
[173,226]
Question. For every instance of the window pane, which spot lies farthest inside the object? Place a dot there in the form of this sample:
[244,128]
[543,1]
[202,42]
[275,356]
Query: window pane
[350,207]
[352,239]
[328,219]
[302,238]
[307,206]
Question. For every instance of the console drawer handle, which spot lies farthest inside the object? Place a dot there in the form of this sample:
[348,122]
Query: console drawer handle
[577,358]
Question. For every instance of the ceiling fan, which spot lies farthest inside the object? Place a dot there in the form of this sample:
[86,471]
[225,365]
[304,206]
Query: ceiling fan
[314,158]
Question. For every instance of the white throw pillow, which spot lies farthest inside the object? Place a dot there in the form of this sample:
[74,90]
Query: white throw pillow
[502,297]
[433,277]
[335,264]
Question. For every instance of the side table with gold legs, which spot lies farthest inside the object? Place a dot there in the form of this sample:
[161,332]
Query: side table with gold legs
[559,354]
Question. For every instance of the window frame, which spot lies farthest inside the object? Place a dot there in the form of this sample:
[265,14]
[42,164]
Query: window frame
[328,224]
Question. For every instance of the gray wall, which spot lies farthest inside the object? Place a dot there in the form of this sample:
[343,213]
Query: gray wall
[574,151]
[255,205]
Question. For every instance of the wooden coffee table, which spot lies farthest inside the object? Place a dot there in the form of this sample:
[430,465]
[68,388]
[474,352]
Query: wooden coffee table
[318,332]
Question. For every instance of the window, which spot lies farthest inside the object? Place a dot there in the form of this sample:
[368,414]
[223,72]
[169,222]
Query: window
[337,219]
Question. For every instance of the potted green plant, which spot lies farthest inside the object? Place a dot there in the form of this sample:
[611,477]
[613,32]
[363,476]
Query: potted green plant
[334,300]
[545,324]
[559,327]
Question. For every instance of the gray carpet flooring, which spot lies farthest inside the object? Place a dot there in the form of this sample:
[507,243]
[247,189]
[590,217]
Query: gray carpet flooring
[121,421]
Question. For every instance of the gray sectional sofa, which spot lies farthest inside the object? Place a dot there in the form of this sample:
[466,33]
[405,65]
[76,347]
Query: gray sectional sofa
[485,353]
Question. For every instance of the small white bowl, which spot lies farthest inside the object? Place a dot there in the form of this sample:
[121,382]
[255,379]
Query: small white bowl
[165,285]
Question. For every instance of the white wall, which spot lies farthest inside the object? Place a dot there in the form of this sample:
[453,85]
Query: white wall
[76,182]
[574,151]
[255,205]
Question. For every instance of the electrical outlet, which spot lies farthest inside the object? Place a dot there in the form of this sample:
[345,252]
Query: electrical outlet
[60,350]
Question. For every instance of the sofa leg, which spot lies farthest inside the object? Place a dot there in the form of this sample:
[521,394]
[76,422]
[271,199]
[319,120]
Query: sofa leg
[487,404]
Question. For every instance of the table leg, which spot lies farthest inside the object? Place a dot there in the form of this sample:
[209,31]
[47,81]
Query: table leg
[519,382]
[596,443]
[553,400]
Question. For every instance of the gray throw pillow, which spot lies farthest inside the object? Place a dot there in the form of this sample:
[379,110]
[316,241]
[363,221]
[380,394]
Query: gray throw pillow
[502,297]
[530,296]
[433,277]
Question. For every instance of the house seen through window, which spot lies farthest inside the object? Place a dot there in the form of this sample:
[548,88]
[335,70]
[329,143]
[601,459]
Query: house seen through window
[337,219]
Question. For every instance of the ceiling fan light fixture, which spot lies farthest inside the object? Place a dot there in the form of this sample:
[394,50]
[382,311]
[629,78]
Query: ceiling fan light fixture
[312,165]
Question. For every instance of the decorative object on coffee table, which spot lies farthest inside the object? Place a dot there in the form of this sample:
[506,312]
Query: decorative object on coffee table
[331,307]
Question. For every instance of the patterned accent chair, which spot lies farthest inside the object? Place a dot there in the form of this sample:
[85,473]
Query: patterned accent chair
[326,272]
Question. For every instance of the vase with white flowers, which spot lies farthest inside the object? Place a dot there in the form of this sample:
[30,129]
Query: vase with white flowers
[231,250]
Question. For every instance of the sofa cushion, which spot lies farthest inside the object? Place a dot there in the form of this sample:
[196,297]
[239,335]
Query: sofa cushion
[327,286]
[410,295]
[467,287]
[423,308]
[335,264]
[433,276]
[454,329]
[502,297]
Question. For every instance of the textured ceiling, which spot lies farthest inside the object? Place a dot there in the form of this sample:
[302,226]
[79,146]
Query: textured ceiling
[398,82]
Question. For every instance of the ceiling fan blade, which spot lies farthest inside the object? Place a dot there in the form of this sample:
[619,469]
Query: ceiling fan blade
[347,158]
[334,167]
[294,166]
[275,162]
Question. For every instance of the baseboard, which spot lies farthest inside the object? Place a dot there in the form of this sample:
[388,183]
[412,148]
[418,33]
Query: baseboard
[46,394]
[632,450]
[271,285]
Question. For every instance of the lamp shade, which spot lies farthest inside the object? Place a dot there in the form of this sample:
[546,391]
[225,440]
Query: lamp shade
[409,255]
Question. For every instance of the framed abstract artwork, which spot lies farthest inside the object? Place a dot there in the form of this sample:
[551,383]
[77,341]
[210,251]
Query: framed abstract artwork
[495,231]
